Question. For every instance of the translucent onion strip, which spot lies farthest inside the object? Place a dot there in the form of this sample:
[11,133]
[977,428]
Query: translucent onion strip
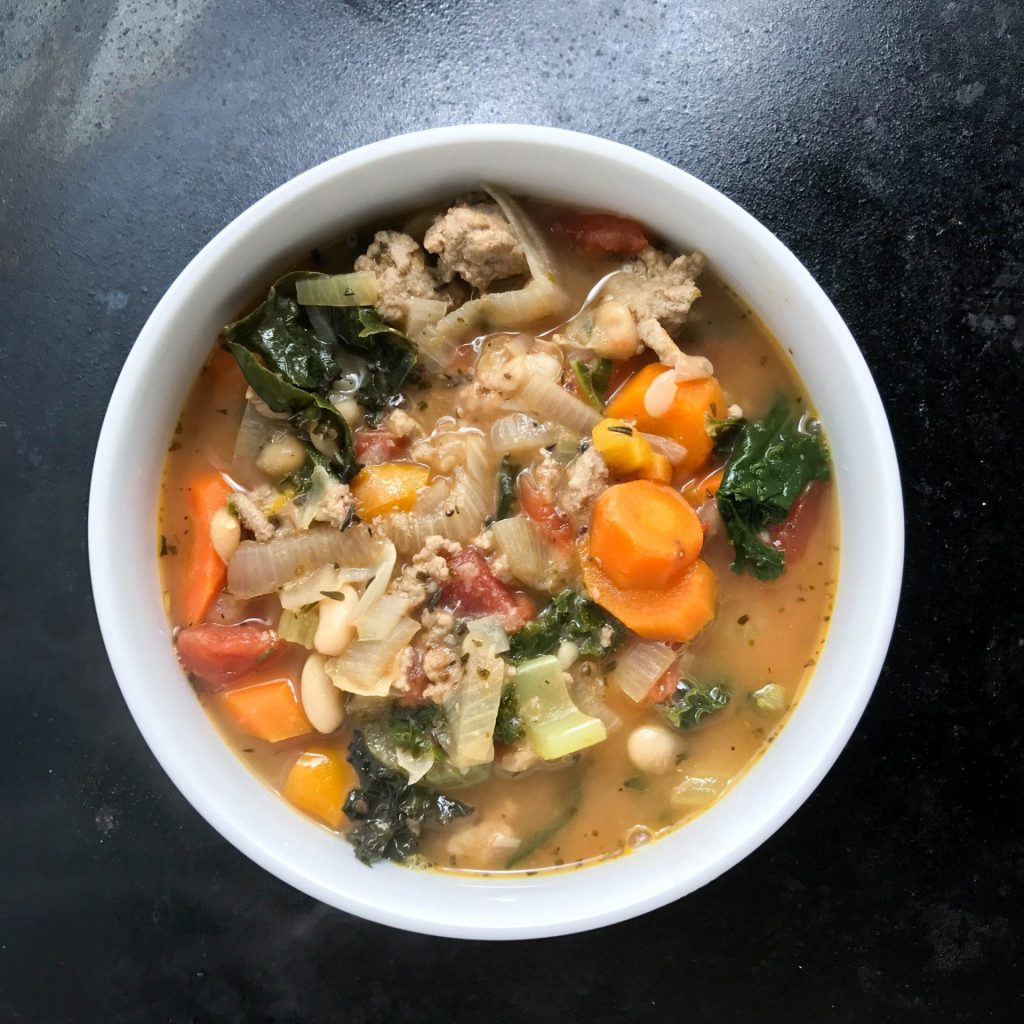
[639,665]
[260,568]
[367,666]
[672,450]
[548,401]
[472,708]
[356,289]
[382,617]
[530,558]
[519,433]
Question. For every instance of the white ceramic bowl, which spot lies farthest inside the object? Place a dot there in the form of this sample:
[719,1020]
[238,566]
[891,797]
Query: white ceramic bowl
[322,204]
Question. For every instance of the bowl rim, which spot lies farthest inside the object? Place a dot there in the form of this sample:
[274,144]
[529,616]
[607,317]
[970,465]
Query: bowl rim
[103,534]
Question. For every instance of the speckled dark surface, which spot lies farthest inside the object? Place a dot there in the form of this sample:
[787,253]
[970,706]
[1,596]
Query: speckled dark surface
[881,141]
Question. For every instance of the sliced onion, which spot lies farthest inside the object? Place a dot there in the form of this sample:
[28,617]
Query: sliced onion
[548,401]
[696,791]
[414,765]
[259,568]
[639,665]
[490,631]
[588,696]
[376,587]
[530,558]
[520,433]
[254,431]
[366,668]
[421,327]
[672,450]
[538,256]
[320,484]
[310,589]
[356,289]
[382,617]
[472,708]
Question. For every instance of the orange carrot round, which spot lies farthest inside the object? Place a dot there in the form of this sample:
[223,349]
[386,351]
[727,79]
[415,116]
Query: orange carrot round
[676,613]
[685,420]
[644,534]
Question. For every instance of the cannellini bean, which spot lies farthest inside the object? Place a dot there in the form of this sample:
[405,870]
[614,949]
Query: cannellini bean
[348,409]
[281,456]
[225,534]
[614,335]
[544,365]
[568,652]
[336,627]
[654,748]
[322,701]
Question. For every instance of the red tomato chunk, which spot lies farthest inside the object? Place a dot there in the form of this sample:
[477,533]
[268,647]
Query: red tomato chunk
[376,446]
[474,591]
[600,234]
[218,654]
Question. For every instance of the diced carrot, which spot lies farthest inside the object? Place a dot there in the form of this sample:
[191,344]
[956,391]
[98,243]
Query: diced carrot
[675,613]
[269,711]
[704,490]
[388,487]
[205,574]
[318,782]
[227,383]
[685,420]
[644,534]
[600,234]
[659,469]
[218,654]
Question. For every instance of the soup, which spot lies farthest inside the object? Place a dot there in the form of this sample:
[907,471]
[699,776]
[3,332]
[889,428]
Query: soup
[495,543]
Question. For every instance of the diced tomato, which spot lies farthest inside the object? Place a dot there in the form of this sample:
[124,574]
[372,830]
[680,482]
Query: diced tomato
[600,234]
[376,446]
[474,591]
[551,523]
[218,654]
[663,688]
[792,534]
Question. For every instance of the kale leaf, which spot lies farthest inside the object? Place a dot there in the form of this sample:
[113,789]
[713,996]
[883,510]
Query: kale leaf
[509,726]
[723,432]
[569,616]
[413,729]
[306,410]
[770,465]
[389,813]
[592,381]
[508,474]
[691,703]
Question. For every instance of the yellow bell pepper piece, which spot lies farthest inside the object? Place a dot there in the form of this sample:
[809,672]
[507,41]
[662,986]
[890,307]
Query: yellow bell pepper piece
[389,487]
[318,783]
[622,446]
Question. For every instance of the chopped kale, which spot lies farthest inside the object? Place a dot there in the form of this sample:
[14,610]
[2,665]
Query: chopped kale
[509,726]
[723,432]
[413,729]
[771,463]
[389,814]
[691,703]
[592,381]
[569,616]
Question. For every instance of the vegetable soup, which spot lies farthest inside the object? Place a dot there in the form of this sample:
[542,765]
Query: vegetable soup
[495,542]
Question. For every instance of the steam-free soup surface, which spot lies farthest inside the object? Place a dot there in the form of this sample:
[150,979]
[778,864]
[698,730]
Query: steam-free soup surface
[536,677]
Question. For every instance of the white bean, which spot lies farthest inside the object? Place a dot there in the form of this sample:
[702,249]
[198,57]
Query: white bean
[349,410]
[281,456]
[614,335]
[654,749]
[336,627]
[225,534]
[322,701]
[568,652]
[543,365]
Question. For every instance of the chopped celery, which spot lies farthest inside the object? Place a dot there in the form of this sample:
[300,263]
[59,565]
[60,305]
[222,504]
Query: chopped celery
[554,725]
[770,699]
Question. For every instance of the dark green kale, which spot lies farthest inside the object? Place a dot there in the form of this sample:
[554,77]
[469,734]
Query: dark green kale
[508,475]
[306,411]
[592,381]
[389,814]
[569,616]
[723,432]
[414,729]
[509,726]
[691,703]
[771,463]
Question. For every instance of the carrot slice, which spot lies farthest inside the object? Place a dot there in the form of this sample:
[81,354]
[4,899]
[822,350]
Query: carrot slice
[644,534]
[205,574]
[685,420]
[318,782]
[704,490]
[676,613]
[269,711]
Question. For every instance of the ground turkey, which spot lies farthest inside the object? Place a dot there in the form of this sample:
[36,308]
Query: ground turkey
[400,266]
[655,285]
[477,243]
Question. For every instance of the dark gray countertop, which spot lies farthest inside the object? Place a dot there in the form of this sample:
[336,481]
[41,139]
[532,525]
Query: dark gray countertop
[881,142]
